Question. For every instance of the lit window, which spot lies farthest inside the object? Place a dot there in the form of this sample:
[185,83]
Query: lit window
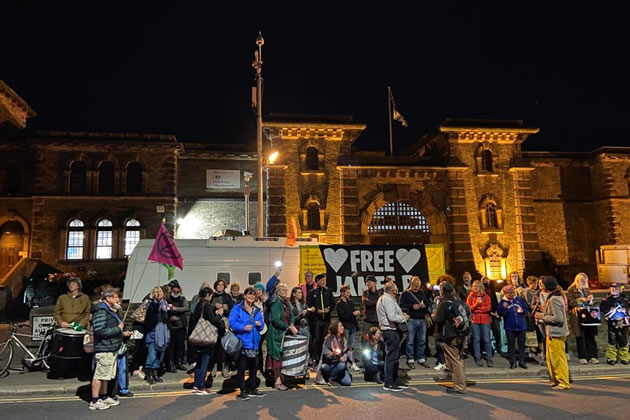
[74,245]
[398,217]
[132,235]
[78,177]
[492,221]
[106,178]
[104,240]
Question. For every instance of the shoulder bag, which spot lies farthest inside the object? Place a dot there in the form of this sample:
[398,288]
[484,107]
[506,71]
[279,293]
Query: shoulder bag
[205,334]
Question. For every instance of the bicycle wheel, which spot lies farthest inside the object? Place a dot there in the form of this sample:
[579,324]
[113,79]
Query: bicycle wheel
[6,356]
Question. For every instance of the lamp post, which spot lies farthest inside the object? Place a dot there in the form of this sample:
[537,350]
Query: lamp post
[257,64]
[248,177]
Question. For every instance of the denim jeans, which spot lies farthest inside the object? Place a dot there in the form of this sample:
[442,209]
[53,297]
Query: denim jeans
[416,340]
[154,357]
[350,333]
[203,361]
[337,373]
[481,332]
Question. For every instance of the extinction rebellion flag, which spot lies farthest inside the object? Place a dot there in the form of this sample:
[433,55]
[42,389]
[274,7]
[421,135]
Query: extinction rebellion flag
[165,252]
[351,265]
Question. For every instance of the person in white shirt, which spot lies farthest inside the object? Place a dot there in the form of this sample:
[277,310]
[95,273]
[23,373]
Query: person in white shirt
[389,317]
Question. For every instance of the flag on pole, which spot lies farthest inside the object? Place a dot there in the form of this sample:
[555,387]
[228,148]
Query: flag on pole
[165,252]
[396,114]
[292,232]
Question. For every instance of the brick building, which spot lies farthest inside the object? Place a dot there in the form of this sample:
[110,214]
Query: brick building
[80,201]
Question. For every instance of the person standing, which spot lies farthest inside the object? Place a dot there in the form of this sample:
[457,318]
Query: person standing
[495,319]
[205,310]
[463,289]
[221,299]
[614,308]
[320,303]
[157,335]
[281,322]
[247,322]
[389,317]
[108,332]
[579,296]
[480,305]
[309,283]
[73,306]
[348,317]
[513,310]
[451,340]
[415,303]
[556,331]
[368,300]
[177,325]
[235,292]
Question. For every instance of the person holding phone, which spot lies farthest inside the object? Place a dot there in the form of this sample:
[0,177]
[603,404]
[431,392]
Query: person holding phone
[480,305]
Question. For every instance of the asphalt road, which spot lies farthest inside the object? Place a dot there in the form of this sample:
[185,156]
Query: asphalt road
[601,398]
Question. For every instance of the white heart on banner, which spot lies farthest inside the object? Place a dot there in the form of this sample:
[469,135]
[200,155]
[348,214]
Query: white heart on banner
[407,259]
[335,258]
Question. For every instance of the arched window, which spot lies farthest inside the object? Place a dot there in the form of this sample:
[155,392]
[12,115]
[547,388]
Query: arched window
[486,160]
[132,235]
[312,158]
[313,217]
[490,214]
[78,177]
[398,217]
[74,243]
[134,177]
[104,239]
[13,178]
[492,220]
[106,178]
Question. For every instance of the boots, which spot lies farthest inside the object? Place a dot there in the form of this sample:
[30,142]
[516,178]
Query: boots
[149,376]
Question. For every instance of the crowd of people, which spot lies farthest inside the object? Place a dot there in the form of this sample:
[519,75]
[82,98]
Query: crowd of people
[249,331]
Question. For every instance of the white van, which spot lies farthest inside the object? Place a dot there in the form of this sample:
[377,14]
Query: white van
[245,260]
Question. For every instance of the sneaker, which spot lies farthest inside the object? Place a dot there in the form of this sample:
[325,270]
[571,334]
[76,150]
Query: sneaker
[593,361]
[439,366]
[489,363]
[568,356]
[201,391]
[127,395]
[402,385]
[479,363]
[454,391]
[334,384]
[625,362]
[256,393]
[425,365]
[111,402]
[522,365]
[392,388]
[411,364]
[242,396]
[612,362]
[582,361]
[98,405]
[355,368]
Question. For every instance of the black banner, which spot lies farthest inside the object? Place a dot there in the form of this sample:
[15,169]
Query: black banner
[353,263]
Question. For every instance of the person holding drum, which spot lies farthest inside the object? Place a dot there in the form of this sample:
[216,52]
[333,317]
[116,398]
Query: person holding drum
[580,302]
[615,309]
[281,322]
[72,307]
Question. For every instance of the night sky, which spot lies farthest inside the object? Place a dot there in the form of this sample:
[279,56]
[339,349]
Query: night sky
[184,70]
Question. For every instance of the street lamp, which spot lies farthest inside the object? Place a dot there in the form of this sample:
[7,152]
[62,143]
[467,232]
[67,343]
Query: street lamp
[257,65]
[248,177]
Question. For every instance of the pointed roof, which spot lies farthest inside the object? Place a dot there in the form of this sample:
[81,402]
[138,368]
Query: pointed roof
[13,108]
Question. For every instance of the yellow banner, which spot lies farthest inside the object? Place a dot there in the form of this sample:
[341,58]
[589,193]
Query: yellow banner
[435,261]
[311,259]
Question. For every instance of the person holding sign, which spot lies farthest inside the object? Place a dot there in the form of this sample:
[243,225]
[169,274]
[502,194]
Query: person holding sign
[320,304]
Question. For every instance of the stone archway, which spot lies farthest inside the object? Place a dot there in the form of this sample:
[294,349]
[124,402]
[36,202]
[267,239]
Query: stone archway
[420,200]
[14,242]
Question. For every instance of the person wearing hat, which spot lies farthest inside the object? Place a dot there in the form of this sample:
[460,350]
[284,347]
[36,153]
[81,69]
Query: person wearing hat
[554,318]
[72,307]
[177,324]
[614,307]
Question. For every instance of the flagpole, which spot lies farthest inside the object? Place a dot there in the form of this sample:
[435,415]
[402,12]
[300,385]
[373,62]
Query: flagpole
[389,112]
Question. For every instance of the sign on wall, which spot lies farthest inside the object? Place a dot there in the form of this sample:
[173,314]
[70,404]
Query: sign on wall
[311,259]
[351,264]
[223,179]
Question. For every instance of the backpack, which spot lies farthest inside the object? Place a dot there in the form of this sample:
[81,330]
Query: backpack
[460,317]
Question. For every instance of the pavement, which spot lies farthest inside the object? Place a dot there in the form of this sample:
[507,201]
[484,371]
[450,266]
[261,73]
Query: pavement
[18,382]
[589,398]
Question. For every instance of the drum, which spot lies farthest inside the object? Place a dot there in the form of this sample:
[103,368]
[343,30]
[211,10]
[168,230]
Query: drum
[294,355]
[589,316]
[618,315]
[67,344]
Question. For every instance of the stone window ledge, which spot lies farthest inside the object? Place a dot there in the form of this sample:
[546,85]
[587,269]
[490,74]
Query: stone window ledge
[312,172]
[488,174]
[491,230]
[92,261]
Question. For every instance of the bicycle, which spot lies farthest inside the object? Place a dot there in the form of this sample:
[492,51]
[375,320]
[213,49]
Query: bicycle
[31,361]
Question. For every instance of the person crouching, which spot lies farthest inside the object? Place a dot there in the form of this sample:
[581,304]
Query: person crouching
[374,356]
[335,357]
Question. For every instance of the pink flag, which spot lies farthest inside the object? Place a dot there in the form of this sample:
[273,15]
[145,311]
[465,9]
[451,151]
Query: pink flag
[164,250]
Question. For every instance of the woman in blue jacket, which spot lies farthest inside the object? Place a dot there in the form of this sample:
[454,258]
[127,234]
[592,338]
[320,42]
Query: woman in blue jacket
[513,309]
[247,322]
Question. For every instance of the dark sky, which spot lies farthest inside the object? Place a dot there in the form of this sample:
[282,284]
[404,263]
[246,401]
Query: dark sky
[186,70]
